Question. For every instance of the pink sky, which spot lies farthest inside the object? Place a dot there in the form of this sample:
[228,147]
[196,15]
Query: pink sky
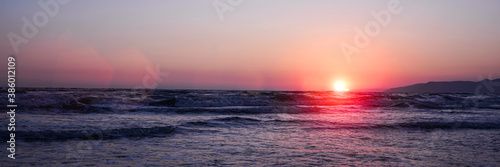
[277,45]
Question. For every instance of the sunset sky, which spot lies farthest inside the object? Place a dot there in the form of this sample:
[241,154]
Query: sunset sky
[259,44]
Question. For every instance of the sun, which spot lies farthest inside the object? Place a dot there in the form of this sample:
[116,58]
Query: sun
[340,86]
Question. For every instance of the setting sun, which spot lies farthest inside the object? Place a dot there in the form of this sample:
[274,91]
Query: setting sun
[340,86]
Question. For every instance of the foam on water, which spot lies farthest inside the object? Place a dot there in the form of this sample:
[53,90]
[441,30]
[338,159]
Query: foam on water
[122,100]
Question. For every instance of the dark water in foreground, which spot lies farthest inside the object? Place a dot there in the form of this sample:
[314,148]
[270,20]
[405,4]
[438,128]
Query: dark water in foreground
[119,127]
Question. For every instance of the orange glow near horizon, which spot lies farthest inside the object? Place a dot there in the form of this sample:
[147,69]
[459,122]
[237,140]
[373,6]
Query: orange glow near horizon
[254,49]
[340,86]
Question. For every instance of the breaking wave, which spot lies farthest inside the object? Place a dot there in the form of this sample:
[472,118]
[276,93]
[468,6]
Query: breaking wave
[235,121]
[244,102]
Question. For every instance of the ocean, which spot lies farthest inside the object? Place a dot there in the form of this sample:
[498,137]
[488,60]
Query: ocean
[136,127]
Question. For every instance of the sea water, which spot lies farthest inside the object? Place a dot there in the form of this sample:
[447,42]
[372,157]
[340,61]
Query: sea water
[135,127]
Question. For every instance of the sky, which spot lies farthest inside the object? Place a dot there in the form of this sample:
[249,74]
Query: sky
[249,44]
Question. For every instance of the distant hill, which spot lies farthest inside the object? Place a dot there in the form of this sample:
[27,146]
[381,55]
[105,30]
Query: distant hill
[483,87]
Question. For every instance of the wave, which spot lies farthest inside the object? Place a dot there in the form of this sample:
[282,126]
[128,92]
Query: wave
[415,126]
[223,122]
[98,134]
[91,134]
[246,102]
[236,119]
[448,125]
[213,125]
